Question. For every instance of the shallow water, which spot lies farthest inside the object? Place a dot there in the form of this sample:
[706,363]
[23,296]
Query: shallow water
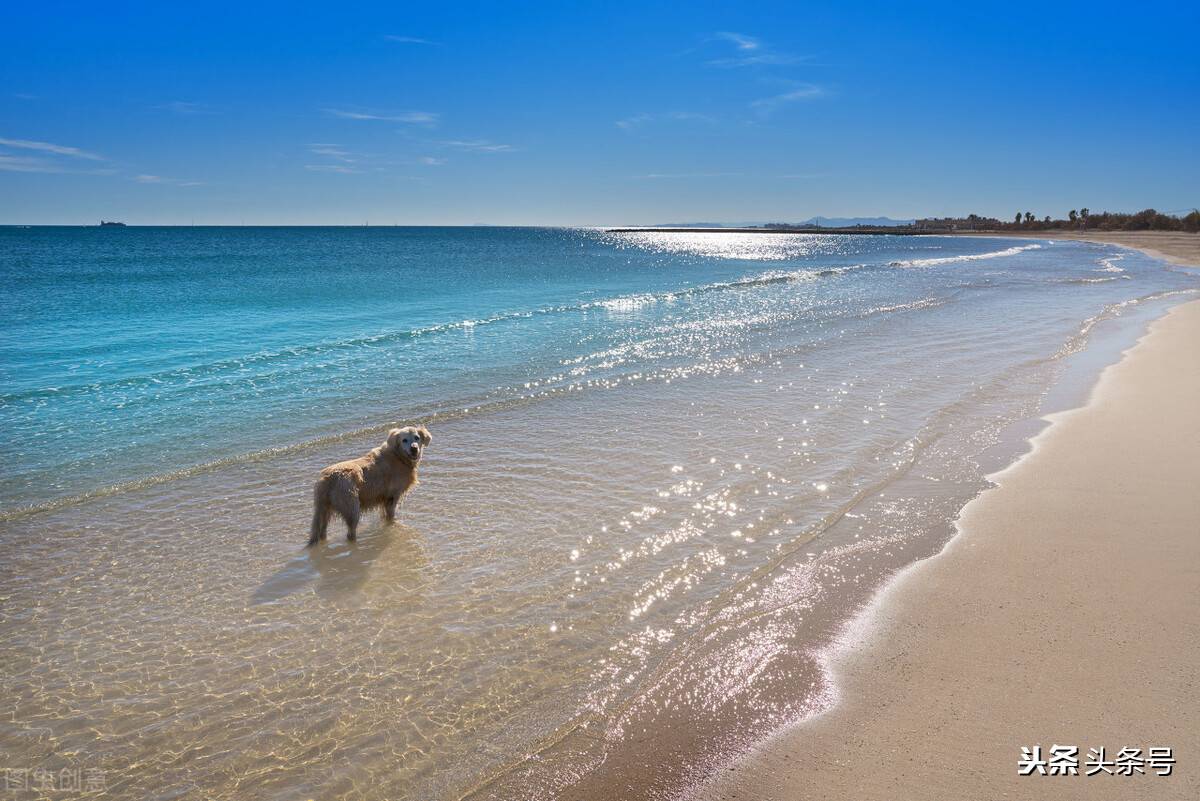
[665,468]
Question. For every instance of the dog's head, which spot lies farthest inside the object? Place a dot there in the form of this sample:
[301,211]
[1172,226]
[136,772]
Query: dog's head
[409,442]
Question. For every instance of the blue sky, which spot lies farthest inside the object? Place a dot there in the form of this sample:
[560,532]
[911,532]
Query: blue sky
[592,113]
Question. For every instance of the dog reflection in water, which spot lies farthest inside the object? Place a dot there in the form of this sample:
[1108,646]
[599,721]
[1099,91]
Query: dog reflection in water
[377,479]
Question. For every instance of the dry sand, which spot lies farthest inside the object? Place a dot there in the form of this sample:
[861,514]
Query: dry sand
[1065,612]
[1175,247]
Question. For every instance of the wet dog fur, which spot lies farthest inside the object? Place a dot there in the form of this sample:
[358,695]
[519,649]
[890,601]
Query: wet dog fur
[377,479]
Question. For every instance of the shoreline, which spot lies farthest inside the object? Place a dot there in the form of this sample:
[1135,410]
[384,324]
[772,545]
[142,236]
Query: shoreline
[984,649]
[1178,248]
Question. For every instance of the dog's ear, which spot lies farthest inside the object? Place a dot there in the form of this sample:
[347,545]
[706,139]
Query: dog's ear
[395,440]
[424,434]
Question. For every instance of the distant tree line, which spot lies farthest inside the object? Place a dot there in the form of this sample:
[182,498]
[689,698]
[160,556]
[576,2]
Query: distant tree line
[1076,220]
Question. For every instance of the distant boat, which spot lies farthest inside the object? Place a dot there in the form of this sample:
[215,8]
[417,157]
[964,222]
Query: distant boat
[104,223]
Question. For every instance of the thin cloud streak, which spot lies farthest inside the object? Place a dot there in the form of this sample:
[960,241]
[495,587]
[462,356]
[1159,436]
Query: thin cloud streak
[334,168]
[768,105]
[407,117]
[27,164]
[30,164]
[146,178]
[332,151]
[662,175]
[750,51]
[50,147]
[477,145]
[407,39]
[185,108]
[639,120]
[740,40]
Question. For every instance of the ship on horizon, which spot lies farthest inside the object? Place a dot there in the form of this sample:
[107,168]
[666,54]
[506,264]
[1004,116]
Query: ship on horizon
[107,223]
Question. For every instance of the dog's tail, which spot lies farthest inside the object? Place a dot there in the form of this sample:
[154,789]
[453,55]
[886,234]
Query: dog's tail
[321,511]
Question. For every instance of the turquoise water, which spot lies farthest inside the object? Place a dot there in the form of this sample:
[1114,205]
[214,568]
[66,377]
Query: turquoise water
[665,470]
[132,353]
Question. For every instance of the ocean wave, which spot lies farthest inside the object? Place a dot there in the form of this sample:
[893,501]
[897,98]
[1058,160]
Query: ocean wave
[627,302]
[924,303]
[1076,342]
[972,257]
[1103,280]
[1108,264]
[190,374]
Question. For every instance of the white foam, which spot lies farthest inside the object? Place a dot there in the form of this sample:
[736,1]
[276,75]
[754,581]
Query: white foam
[973,257]
[626,302]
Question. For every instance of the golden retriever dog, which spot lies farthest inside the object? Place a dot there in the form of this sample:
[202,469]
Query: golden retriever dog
[380,478]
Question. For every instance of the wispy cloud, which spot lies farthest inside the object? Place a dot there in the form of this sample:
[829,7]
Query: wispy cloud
[768,105]
[431,161]
[407,117]
[639,120]
[10,163]
[750,51]
[477,145]
[53,158]
[661,175]
[341,161]
[335,168]
[47,157]
[27,164]
[407,39]
[50,147]
[185,108]
[24,96]
[334,152]
[740,40]
[145,178]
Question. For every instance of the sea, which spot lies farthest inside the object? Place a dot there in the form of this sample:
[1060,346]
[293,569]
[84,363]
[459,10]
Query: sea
[667,469]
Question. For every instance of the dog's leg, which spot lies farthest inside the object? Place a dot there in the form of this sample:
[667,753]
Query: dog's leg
[389,509]
[321,513]
[344,498]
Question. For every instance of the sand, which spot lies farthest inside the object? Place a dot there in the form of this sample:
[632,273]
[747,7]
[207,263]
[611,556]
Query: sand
[1065,612]
[1175,247]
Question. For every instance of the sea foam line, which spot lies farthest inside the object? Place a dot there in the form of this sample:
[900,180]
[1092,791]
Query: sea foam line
[973,257]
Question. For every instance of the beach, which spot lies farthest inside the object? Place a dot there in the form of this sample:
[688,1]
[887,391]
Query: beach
[1061,614]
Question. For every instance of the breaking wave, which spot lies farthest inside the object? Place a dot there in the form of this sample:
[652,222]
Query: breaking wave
[954,259]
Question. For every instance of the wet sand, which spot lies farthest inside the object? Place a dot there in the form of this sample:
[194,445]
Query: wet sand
[1176,247]
[1064,613]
